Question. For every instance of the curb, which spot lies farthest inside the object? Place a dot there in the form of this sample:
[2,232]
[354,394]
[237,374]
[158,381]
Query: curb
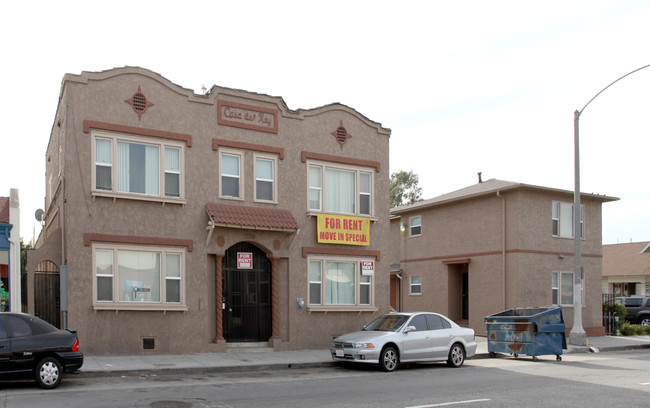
[146,372]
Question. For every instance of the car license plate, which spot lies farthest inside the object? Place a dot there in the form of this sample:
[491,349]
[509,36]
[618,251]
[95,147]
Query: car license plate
[340,353]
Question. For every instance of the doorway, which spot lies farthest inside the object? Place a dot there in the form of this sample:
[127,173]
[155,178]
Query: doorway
[246,294]
[47,293]
[458,293]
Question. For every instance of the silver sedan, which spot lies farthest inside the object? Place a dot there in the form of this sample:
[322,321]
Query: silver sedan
[397,338]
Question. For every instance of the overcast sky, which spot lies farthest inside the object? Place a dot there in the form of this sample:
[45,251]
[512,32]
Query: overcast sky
[465,86]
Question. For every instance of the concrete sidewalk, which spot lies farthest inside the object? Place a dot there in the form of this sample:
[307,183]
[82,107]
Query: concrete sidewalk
[143,365]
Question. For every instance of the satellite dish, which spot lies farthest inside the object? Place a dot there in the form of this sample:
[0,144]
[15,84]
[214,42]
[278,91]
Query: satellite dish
[39,215]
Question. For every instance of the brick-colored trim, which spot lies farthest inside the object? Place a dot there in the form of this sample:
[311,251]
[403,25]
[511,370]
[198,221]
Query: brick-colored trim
[247,146]
[339,251]
[91,124]
[127,239]
[304,156]
[250,126]
[450,259]
[457,261]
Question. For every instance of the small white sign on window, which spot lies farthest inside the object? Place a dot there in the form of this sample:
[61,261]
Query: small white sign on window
[367,268]
[244,260]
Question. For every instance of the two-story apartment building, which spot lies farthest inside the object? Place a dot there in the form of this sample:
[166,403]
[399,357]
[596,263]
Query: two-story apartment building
[494,246]
[183,222]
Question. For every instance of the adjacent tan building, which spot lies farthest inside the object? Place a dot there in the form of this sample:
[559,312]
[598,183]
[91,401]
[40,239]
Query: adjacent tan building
[181,222]
[494,246]
[626,269]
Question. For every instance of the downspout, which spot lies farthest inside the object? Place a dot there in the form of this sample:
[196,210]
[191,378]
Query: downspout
[63,277]
[503,248]
[401,294]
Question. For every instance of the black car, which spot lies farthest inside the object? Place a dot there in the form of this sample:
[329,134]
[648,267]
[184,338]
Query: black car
[33,348]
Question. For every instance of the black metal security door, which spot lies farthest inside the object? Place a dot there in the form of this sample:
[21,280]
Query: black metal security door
[47,294]
[247,295]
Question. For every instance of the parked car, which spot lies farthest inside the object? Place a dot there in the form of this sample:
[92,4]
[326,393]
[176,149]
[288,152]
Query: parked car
[638,309]
[31,348]
[397,338]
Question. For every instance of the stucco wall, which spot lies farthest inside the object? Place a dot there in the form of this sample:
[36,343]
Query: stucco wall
[100,97]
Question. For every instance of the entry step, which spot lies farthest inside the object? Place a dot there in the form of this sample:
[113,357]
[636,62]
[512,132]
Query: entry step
[248,347]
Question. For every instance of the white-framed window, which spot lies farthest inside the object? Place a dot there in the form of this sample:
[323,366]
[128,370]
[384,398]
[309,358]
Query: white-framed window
[265,176]
[415,285]
[563,222]
[315,188]
[339,282]
[415,226]
[135,277]
[340,189]
[365,193]
[137,166]
[231,174]
[562,288]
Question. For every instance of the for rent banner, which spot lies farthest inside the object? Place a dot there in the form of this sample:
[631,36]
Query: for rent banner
[342,229]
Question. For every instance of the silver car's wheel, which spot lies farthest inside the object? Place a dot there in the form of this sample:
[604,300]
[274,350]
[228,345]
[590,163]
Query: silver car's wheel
[388,359]
[48,373]
[456,356]
[644,321]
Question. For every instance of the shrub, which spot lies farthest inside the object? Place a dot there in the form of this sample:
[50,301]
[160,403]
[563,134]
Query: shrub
[628,329]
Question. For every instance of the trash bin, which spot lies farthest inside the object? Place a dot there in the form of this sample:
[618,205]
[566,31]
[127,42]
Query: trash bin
[529,330]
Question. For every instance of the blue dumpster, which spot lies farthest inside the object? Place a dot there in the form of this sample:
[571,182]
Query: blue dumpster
[528,330]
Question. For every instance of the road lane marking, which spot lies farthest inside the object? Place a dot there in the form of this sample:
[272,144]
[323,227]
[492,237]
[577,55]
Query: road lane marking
[445,404]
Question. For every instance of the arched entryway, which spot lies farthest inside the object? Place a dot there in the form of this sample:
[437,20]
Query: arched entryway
[246,294]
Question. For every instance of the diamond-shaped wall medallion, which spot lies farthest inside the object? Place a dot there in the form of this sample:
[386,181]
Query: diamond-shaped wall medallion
[139,103]
[341,135]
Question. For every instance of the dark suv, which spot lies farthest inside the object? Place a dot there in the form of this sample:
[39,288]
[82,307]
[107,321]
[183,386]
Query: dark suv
[638,309]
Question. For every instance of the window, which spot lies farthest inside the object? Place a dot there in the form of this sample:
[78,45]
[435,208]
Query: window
[315,282]
[340,190]
[315,188]
[172,172]
[264,179]
[415,226]
[339,282]
[562,220]
[230,175]
[416,285]
[135,277]
[419,322]
[562,288]
[364,193]
[437,323]
[133,166]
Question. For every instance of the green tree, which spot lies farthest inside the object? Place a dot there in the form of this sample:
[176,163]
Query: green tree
[23,254]
[404,188]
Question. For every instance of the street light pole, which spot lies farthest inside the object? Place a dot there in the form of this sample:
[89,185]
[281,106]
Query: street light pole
[577,336]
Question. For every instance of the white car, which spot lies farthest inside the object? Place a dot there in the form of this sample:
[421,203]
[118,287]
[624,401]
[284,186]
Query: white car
[397,338]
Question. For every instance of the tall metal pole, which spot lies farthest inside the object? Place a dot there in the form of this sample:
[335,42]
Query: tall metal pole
[577,336]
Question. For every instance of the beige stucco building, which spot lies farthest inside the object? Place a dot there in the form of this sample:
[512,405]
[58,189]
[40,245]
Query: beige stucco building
[626,269]
[183,222]
[494,246]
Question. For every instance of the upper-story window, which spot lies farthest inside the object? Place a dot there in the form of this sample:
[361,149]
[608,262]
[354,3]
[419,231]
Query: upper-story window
[231,175]
[265,170]
[136,166]
[415,227]
[344,190]
[563,222]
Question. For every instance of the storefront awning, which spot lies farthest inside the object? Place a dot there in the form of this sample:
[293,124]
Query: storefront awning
[239,216]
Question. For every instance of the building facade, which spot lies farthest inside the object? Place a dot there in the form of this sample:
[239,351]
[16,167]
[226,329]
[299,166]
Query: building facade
[180,222]
[626,269]
[10,289]
[494,246]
